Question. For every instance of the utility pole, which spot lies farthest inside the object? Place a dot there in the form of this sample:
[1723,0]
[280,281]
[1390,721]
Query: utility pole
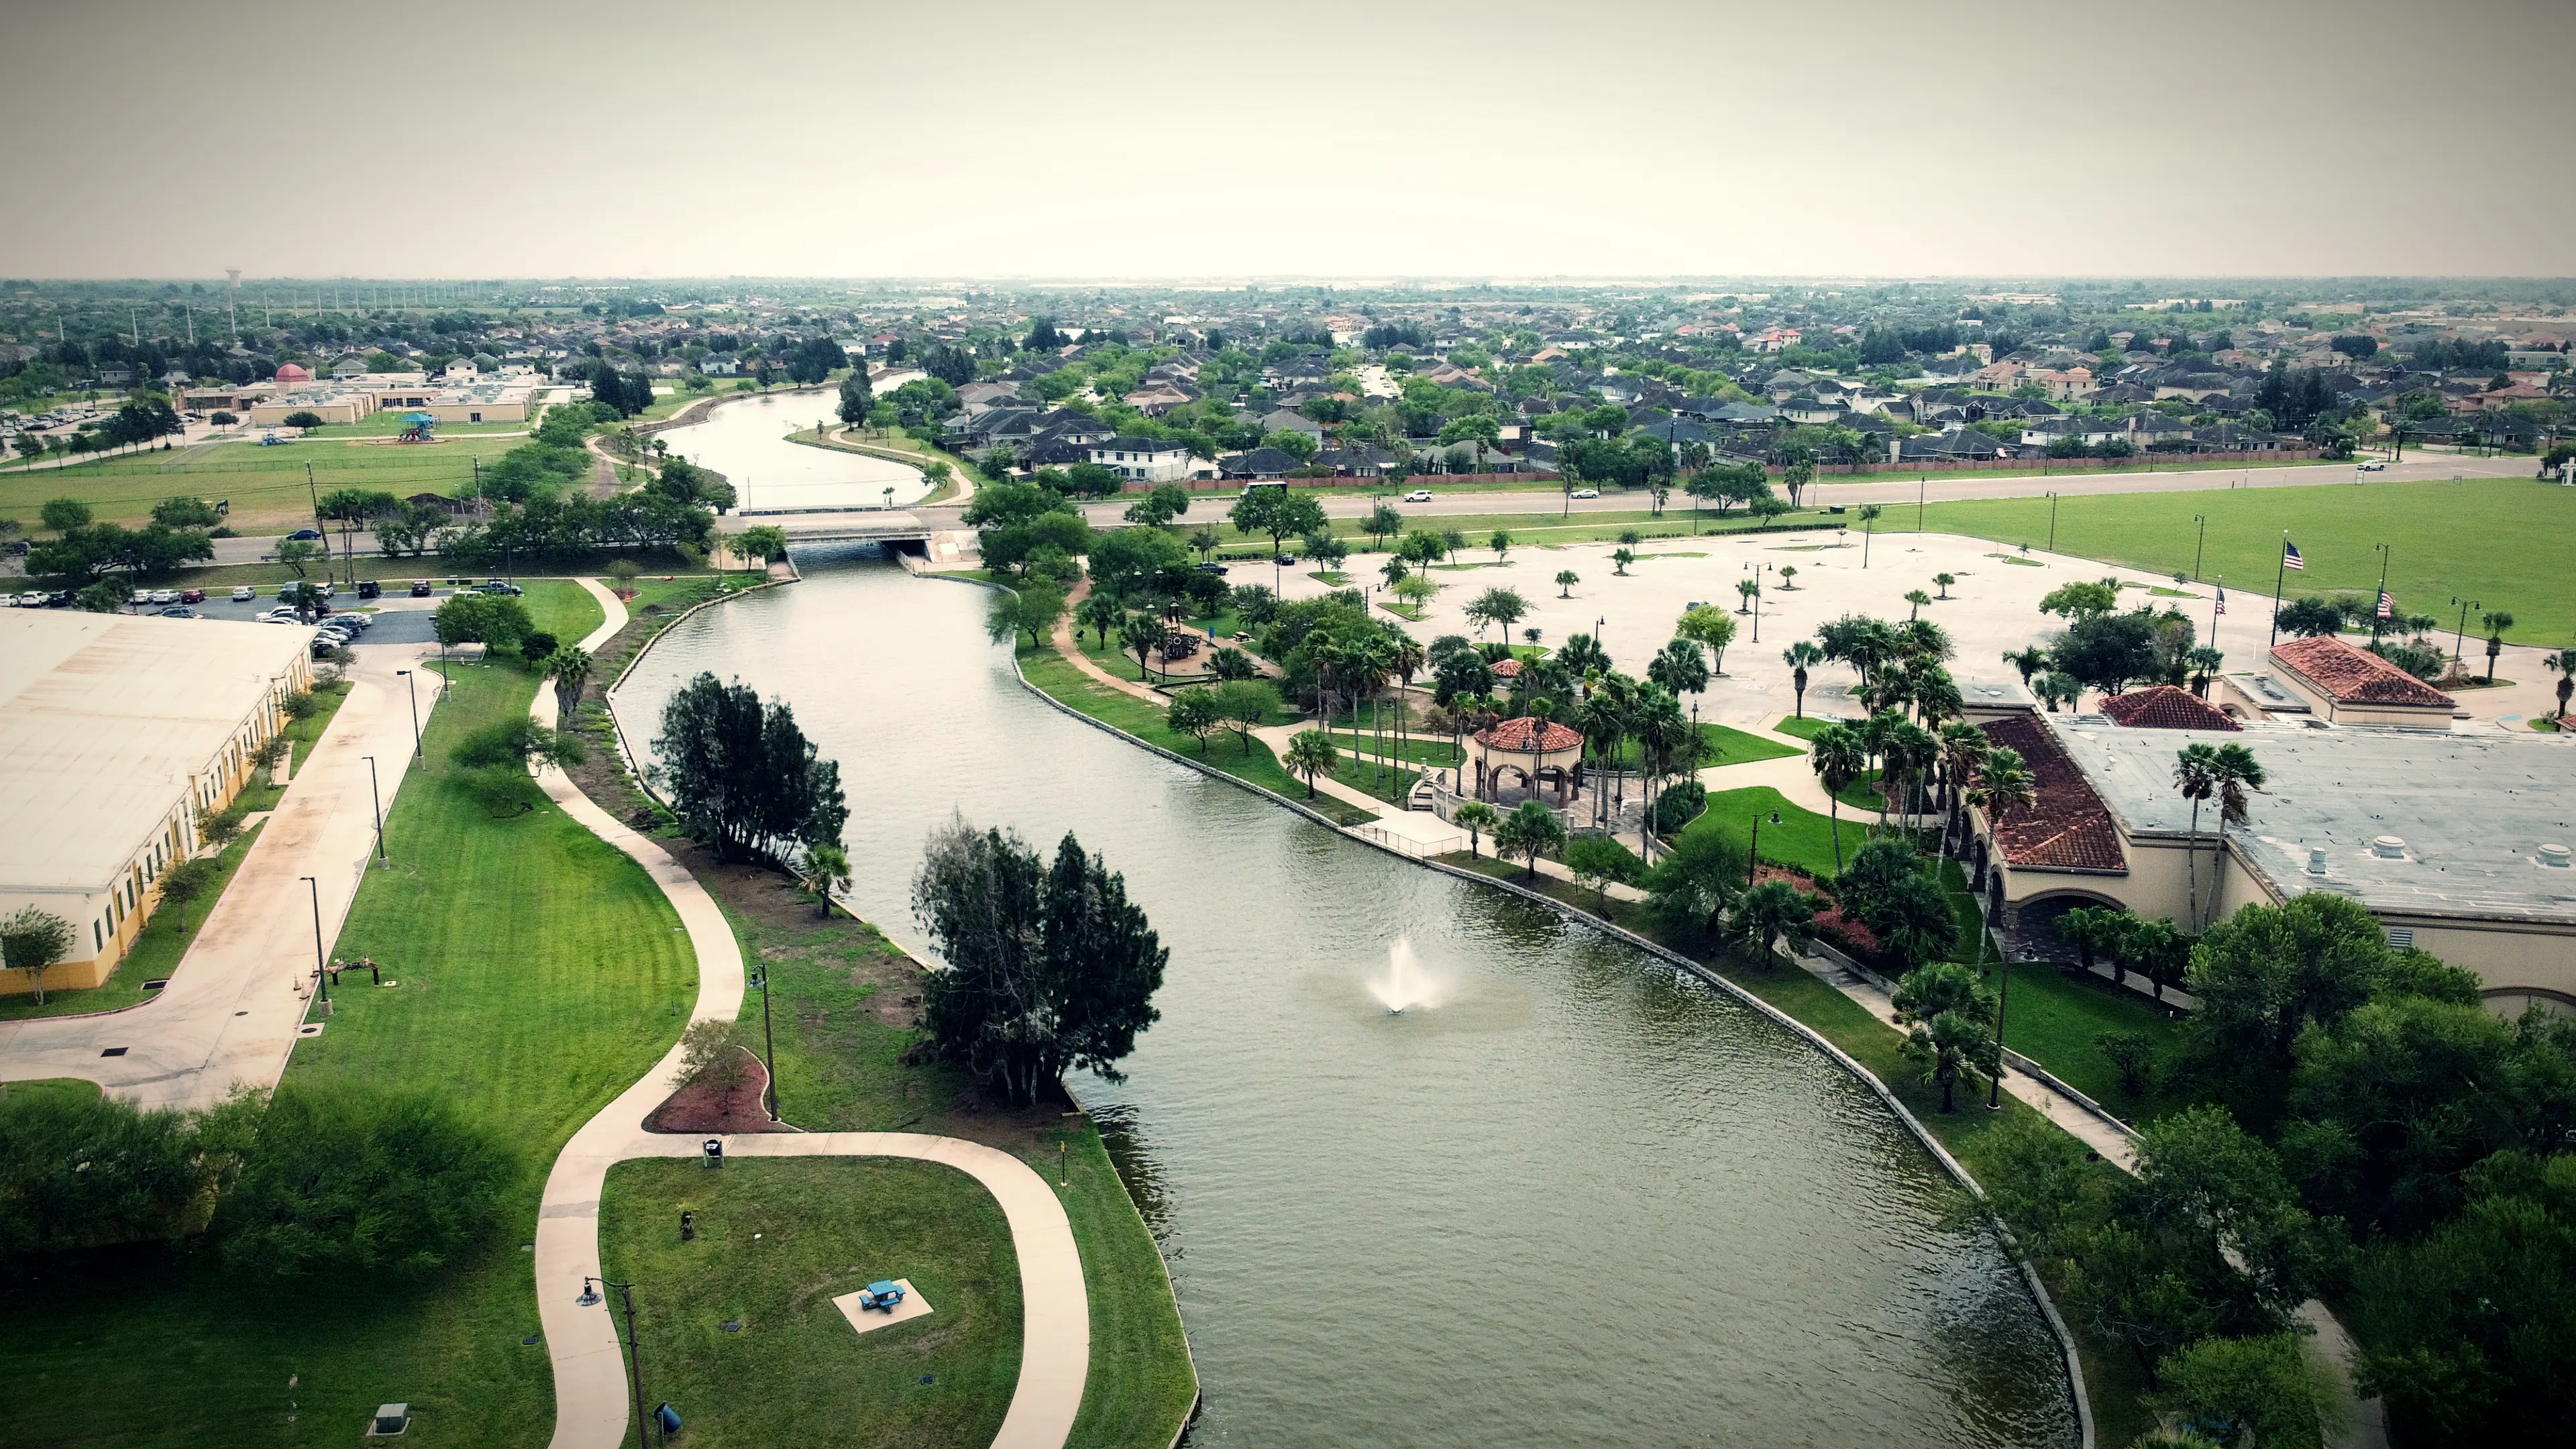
[2199,544]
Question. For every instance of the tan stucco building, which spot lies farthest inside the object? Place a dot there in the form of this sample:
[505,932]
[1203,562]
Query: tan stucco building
[2459,843]
[117,735]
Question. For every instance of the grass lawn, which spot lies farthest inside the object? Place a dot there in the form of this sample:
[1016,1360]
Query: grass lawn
[825,1227]
[1802,838]
[155,953]
[839,1002]
[562,608]
[1053,674]
[2486,538]
[77,1088]
[388,423]
[1805,727]
[266,486]
[1372,778]
[541,973]
[2053,1017]
[1725,747]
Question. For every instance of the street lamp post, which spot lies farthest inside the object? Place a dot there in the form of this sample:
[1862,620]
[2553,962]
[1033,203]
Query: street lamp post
[2459,636]
[321,974]
[769,1041]
[2052,522]
[2199,544]
[376,796]
[412,686]
[590,1297]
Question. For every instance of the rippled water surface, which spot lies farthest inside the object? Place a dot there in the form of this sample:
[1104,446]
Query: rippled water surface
[1581,1201]
[746,440]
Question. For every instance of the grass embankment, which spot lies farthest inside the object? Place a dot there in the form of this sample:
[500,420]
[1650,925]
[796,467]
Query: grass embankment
[2490,539]
[541,973]
[2053,1017]
[563,608]
[154,955]
[1067,685]
[843,1006]
[266,486]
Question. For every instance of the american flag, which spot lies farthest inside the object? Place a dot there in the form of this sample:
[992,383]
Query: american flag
[2290,556]
[2222,599]
[2387,605]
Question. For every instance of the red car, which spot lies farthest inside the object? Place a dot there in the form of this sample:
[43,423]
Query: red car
[192,596]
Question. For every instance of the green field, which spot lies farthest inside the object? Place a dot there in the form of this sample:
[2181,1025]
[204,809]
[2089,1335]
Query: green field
[1802,838]
[266,486]
[777,1241]
[2496,540]
[2052,1018]
[541,973]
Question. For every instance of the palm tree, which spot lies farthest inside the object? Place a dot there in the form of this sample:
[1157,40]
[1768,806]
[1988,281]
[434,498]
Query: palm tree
[1746,590]
[1312,753]
[1945,581]
[1100,613]
[1910,751]
[2237,771]
[1566,579]
[2003,780]
[1838,758]
[1963,751]
[1916,599]
[2562,664]
[825,869]
[1620,558]
[1406,656]
[1869,513]
[1772,914]
[2496,622]
[571,667]
[1662,732]
[1394,572]
[2028,662]
[1788,578]
[1800,657]
[2204,663]
[1602,718]
[2196,777]
[1476,818]
[1141,634]
[1528,832]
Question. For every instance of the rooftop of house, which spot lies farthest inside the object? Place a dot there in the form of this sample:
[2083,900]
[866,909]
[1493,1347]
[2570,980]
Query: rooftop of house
[2067,827]
[2350,675]
[2463,817]
[2164,707]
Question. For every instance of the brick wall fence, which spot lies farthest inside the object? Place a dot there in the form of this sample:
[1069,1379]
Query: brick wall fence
[2140,461]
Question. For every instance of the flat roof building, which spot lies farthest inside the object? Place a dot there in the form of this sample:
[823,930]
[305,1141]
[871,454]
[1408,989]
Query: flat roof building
[2458,843]
[117,734]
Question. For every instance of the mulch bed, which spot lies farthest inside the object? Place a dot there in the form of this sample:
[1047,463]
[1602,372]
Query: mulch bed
[702,1107]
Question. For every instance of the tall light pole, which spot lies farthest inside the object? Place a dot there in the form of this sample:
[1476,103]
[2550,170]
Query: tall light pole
[2459,637]
[377,797]
[2199,543]
[321,974]
[411,686]
[760,978]
[2052,522]
[590,1297]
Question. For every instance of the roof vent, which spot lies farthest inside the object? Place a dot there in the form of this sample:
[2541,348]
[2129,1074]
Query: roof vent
[2388,847]
[2316,860]
[2554,855]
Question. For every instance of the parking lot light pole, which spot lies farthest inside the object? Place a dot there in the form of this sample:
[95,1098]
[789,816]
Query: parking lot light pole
[634,1370]
[376,796]
[321,974]
[768,1040]
[412,687]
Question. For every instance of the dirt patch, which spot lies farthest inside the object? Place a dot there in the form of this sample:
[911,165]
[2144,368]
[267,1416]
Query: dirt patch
[704,1107]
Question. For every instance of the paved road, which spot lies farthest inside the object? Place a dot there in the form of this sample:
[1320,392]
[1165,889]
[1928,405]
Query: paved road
[234,1003]
[592,1400]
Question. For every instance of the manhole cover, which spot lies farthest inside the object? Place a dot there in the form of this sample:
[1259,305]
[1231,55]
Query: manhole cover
[113,1052]
[731,1325]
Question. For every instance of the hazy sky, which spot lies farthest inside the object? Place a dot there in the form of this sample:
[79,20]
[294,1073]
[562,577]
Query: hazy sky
[1318,139]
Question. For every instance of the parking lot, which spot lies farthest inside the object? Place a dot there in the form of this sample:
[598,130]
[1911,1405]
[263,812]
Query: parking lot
[400,618]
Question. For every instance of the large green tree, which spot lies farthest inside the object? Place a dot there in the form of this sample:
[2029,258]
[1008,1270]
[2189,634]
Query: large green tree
[743,776]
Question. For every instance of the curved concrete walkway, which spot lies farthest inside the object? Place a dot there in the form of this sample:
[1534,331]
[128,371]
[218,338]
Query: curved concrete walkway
[592,1399]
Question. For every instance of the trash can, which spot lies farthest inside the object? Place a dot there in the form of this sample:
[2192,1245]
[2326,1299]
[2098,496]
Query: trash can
[715,1152]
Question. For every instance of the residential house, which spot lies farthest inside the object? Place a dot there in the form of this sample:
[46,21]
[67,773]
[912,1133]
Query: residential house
[1261,462]
[1154,460]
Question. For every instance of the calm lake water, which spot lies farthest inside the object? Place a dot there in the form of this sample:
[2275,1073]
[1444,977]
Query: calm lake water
[1580,1201]
[746,440]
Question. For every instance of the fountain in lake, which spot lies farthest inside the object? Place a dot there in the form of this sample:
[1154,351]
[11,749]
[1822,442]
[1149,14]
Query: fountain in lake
[1406,985]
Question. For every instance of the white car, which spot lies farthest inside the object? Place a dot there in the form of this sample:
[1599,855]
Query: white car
[2374,467]
[327,590]
[244,593]
[1418,495]
[163,596]
[1585,493]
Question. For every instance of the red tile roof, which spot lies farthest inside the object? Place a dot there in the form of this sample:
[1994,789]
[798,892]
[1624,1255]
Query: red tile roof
[2068,827]
[2355,676]
[1517,735]
[1506,668]
[2163,707]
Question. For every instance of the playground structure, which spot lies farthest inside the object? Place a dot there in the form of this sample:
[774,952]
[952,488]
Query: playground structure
[416,428]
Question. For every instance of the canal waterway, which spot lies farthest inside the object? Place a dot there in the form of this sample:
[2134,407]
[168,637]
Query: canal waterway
[1580,1200]
[746,440]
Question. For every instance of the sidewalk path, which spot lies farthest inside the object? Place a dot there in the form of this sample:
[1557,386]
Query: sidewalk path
[591,1395]
[235,1000]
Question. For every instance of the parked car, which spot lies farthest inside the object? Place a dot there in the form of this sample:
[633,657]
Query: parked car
[497,586]
[370,589]
[1418,495]
[180,611]
[32,599]
[305,535]
[326,589]
[360,622]
[2374,466]
[59,599]
[192,596]
[1285,558]
[162,596]
[420,589]
[323,644]
[1212,568]
[1585,493]
[244,593]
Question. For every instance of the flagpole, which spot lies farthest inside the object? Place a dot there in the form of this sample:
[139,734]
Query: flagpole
[2280,571]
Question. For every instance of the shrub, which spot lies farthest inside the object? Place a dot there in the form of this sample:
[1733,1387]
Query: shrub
[303,419]
[1679,805]
[363,1180]
[537,646]
[80,1172]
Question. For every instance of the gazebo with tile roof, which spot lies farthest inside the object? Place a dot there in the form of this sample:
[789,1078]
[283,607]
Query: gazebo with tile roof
[1533,749]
